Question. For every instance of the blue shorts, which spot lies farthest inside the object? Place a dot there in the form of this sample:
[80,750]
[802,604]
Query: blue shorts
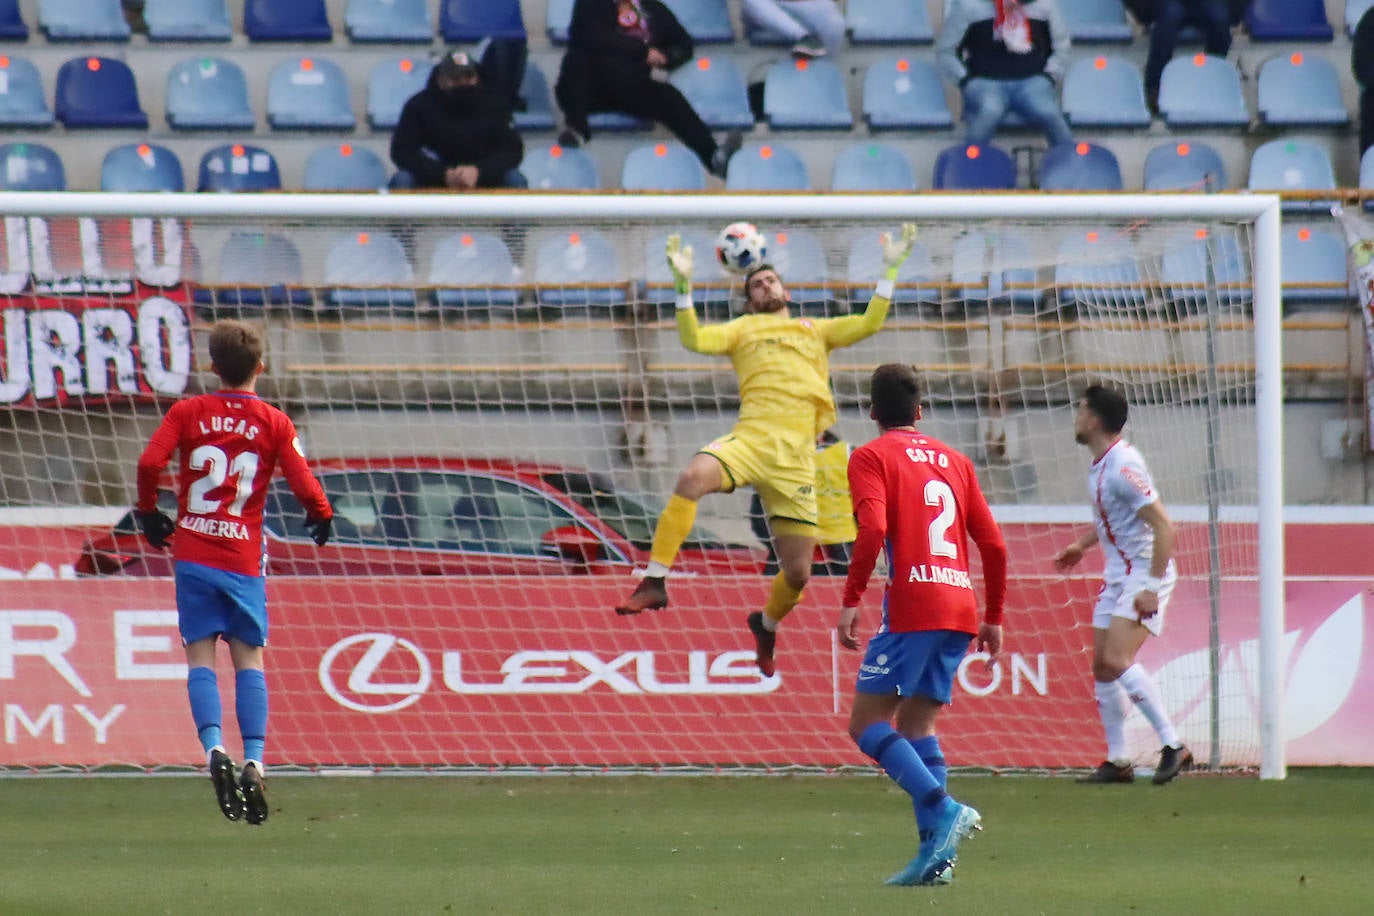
[214,602]
[920,664]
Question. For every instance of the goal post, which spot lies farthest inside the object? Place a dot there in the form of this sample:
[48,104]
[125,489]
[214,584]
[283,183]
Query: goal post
[562,359]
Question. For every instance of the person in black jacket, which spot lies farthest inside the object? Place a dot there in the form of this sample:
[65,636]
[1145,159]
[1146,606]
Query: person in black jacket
[1167,18]
[456,134]
[614,49]
[1362,63]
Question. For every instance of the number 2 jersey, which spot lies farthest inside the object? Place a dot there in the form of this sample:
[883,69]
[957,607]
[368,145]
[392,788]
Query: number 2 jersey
[230,442]
[918,500]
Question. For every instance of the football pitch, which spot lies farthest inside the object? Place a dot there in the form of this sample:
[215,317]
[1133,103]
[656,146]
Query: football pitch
[669,844]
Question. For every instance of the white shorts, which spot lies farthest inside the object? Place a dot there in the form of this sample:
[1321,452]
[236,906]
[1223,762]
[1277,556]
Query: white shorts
[1117,599]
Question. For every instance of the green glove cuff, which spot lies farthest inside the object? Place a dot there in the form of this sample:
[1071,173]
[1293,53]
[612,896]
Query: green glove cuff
[682,286]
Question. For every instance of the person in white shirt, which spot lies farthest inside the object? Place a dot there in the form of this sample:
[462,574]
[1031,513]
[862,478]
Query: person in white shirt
[1137,538]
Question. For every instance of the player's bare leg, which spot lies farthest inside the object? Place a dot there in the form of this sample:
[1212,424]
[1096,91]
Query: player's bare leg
[1120,678]
[794,561]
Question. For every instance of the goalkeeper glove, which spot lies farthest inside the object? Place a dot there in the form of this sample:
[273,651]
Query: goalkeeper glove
[156,527]
[320,529]
[895,251]
[680,263]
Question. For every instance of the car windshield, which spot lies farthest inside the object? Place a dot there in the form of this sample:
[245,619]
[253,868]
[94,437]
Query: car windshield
[166,502]
[632,519]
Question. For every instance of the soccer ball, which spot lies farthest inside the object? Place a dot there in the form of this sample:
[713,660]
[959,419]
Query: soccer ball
[740,247]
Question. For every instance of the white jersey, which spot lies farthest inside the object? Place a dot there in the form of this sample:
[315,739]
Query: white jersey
[1120,486]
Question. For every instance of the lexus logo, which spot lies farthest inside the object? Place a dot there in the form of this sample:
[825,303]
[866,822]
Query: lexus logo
[363,691]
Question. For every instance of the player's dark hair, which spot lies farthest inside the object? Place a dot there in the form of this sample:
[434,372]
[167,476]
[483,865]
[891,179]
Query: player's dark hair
[1108,405]
[757,268]
[895,392]
[236,350]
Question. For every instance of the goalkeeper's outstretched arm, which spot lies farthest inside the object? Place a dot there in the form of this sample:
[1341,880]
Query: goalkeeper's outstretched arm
[698,339]
[841,332]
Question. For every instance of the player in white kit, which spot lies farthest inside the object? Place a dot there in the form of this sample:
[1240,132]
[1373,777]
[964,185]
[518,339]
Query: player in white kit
[1137,539]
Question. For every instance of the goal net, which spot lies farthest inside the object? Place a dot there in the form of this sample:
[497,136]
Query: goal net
[494,396]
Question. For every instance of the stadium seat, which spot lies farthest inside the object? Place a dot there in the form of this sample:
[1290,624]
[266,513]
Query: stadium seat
[1184,270]
[903,93]
[256,268]
[208,93]
[1288,20]
[368,269]
[579,268]
[82,20]
[917,282]
[534,90]
[470,21]
[22,103]
[1097,271]
[559,168]
[390,84]
[1104,92]
[557,13]
[141,167]
[1367,176]
[717,91]
[237,167]
[872,167]
[707,21]
[766,167]
[187,20]
[308,93]
[344,167]
[881,22]
[974,168]
[1354,9]
[1079,166]
[473,270]
[806,95]
[286,20]
[1096,21]
[31,167]
[1293,165]
[799,258]
[1300,90]
[1014,279]
[392,21]
[1184,166]
[1313,271]
[662,166]
[710,283]
[12,27]
[1202,91]
[98,92]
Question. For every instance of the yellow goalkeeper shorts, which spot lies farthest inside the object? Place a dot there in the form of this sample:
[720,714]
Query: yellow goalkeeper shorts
[777,461]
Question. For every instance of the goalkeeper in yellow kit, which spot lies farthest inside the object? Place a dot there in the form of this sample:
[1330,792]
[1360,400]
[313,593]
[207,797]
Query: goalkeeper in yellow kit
[783,365]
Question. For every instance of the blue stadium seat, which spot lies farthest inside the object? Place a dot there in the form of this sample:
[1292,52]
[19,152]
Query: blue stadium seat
[534,89]
[1184,166]
[286,20]
[141,167]
[12,27]
[579,268]
[368,270]
[208,93]
[798,256]
[717,91]
[1367,176]
[98,92]
[1313,270]
[1104,92]
[308,93]
[1096,21]
[82,20]
[1300,90]
[1183,270]
[22,104]
[710,283]
[806,95]
[473,271]
[872,167]
[187,20]
[31,167]
[1097,271]
[1017,283]
[470,21]
[558,13]
[707,21]
[1293,165]
[1079,166]
[766,167]
[344,167]
[974,168]
[917,281]
[1202,91]
[616,122]
[902,93]
[881,22]
[559,168]
[394,21]
[238,167]
[1354,9]
[968,259]
[662,166]
[390,84]
[1288,20]
[256,268]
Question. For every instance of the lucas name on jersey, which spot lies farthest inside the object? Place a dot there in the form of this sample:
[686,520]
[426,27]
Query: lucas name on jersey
[940,575]
[233,425]
[214,527]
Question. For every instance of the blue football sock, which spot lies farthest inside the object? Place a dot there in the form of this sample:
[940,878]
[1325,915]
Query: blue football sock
[904,767]
[202,689]
[250,702]
[929,750]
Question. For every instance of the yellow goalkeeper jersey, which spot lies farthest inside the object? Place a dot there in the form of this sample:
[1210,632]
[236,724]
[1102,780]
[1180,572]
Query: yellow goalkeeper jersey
[783,363]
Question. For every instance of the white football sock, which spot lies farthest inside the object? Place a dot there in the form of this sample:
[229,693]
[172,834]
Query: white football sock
[1140,687]
[655,570]
[1111,706]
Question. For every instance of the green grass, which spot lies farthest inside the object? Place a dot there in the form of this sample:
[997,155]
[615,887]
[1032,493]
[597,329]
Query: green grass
[778,846]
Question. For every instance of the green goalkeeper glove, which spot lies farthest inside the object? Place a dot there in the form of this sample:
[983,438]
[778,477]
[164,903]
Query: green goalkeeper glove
[895,251]
[680,263]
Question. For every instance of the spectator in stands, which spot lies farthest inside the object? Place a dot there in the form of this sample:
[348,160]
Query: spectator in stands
[815,27]
[1362,62]
[456,134]
[615,47]
[1005,55]
[1167,18]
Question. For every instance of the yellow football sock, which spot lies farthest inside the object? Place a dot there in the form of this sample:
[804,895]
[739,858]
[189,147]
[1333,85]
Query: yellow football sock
[673,526]
[781,600]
